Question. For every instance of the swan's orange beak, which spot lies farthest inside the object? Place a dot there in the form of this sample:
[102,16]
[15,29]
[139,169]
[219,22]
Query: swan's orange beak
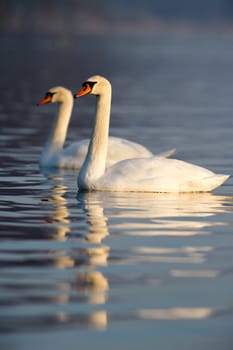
[86,89]
[46,99]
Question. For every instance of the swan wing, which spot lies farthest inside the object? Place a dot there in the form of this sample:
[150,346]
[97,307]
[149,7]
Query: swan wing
[158,175]
[120,149]
[166,154]
[73,156]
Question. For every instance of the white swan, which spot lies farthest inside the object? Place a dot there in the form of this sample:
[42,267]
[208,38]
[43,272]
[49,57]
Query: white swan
[151,174]
[72,157]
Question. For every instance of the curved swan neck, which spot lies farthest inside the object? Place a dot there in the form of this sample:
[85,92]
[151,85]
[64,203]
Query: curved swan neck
[95,162]
[58,131]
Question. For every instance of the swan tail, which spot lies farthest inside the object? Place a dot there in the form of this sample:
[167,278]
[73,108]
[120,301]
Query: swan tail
[214,181]
[166,154]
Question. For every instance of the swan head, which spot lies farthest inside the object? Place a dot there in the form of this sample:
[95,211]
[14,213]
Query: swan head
[95,85]
[57,94]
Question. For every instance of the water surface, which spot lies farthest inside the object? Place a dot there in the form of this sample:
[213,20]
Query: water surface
[116,270]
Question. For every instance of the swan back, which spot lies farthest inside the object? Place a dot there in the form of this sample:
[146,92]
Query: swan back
[158,175]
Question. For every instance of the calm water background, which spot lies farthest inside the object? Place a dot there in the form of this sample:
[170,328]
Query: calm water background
[105,270]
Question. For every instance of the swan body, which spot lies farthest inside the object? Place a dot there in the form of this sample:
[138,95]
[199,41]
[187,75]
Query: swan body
[152,174]
[72,157]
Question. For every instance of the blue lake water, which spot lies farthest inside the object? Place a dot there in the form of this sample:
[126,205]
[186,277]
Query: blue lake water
[117,270]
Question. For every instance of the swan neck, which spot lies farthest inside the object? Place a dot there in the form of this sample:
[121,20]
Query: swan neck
[58,132]
[95,162]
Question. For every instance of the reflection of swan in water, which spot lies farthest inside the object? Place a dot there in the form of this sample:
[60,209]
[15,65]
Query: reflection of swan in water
[96,284]
[97,221]
[97,231]
[156,214]
[176,313]
[59,220]
[136,214]
[60,214]
[88,281]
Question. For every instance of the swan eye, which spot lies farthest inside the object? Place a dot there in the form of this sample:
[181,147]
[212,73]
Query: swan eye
[92,83]
[88,85]
[49,94]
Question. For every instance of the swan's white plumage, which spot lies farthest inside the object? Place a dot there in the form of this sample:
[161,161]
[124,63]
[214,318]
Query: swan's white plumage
[73,156]
[158,175]
[151,174]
